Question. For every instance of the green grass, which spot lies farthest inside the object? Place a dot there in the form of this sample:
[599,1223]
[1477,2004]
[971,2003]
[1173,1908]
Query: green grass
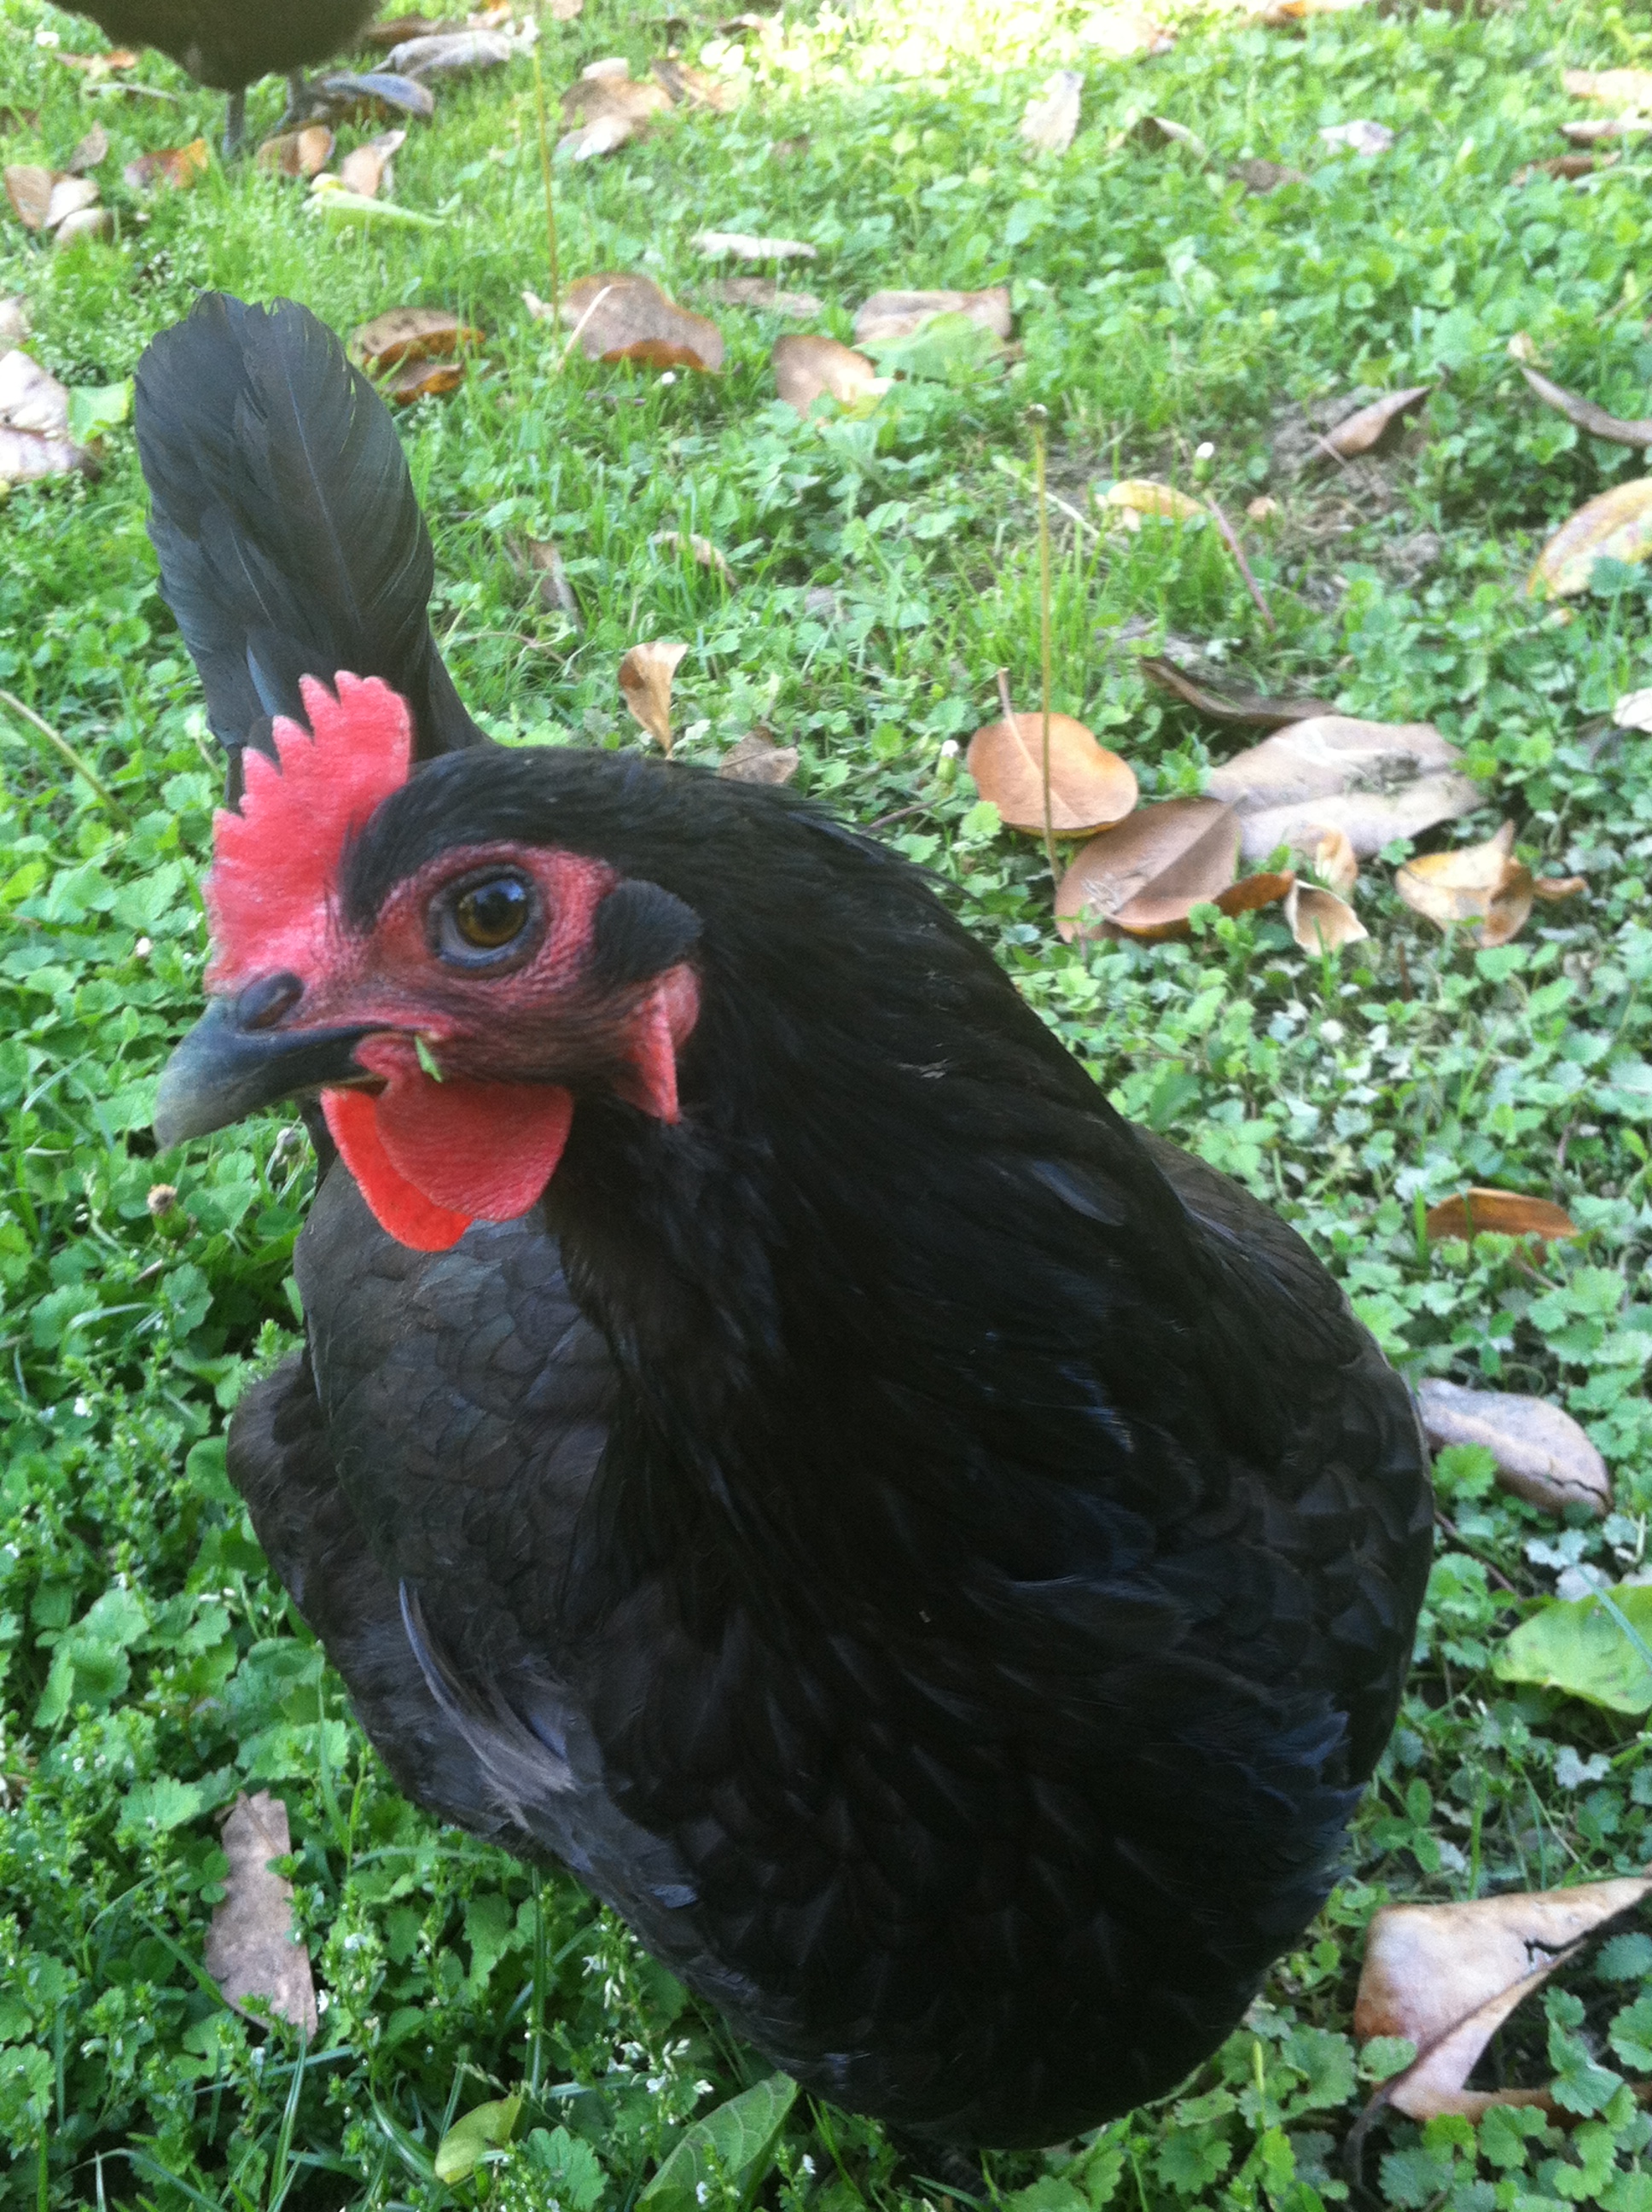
[153,1668]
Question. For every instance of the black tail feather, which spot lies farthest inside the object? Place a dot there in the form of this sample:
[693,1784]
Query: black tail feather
[290,540]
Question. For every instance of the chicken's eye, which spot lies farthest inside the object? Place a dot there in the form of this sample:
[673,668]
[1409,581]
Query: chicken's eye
[485,917]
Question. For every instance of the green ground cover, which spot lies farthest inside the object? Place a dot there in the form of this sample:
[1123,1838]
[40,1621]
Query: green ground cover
[879,571]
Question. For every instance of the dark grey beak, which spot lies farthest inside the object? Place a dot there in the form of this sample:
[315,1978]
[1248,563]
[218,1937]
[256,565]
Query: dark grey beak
[237,1059]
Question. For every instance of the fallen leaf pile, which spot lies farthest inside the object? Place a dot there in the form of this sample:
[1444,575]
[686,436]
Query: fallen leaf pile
[34,439]
[62,204]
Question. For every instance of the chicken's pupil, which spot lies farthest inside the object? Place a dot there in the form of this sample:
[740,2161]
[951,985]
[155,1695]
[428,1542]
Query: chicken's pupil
[492,914]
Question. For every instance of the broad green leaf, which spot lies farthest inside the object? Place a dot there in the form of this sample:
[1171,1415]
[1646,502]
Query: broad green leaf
[160,1806]
[93,408]
[467,2143]
[1580,1648]
[733,2143]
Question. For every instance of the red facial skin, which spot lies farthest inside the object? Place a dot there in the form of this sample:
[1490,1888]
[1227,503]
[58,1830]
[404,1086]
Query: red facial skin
[430,1156]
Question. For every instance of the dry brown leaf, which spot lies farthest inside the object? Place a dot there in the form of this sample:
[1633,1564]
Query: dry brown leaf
[1481,1212]
[1319,921]
[448,54]
[421,379]
[1616,525]
[756,758]
[1564,167]
[1125,34]
[1373,781]
[1160,861]
[689,87]
[1360,137]
[1049,122]
[1620,126]
[250,1947]
[1136,496]
[807,368]
[698,548]
[1446,1977]
[1586,416]
[1552,888]
[1251,709]
[1542,1454]
[34,439]
[542,558]
[1624,87]
[1334,861]
[28,187]
[70,196]
[367,169]
[1481,884]
[610,107]
[1150,924]
[764,292]
[645,679]
[303,152]
[83,223]
[624,317]
[179,166]
[92,149]
[1357,434]
[1090,788]
[1160,130]
[391,30]
[745,247]
[889,315]
[1259,176]
[404,334]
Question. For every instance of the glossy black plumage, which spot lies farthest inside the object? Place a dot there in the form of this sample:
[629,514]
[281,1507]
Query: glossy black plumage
[941,1561]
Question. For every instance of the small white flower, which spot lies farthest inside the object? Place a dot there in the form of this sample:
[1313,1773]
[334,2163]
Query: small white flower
[142,949]
[670,377]
[949,750]
[1205,452]
[806,2163]
[47,38]
[1332,1032]
[701,2192]
[82,1408]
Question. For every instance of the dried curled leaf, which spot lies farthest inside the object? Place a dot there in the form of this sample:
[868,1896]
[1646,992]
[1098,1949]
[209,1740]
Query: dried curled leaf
[745,247]
[1586,415]
[698,549]
[250,1948]
[645,679]
[889,315]
[1135,496]
[448,54]
[764,292]
[28,187]
[1616,525]
[1049,121]
[1623,87]
[624,317]
[1153,869]
[542,558]
[1334,861]
[1252,709]
[1542,1454]
[1089,788]
[367,169]
[811,368]
[92,149]
[609,108]
[1160,130]
[695,87]
[180,166]
[303,152]
[1620,126]
[404,334]
[1480,1213]
[1446,1977]
[756,758]
[1358,432]
[1373,781]
[34,439]
[1483,885]
[1319,921]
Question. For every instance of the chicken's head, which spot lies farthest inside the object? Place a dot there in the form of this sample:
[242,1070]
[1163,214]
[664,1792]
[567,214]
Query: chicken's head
[449,996]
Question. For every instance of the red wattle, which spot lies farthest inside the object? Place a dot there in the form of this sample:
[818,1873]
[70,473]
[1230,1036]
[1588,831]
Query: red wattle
[439,1156]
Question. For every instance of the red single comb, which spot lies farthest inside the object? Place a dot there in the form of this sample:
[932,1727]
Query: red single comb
[275,864]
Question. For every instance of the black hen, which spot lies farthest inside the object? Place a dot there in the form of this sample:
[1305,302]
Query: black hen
[940,1560]
[230,44]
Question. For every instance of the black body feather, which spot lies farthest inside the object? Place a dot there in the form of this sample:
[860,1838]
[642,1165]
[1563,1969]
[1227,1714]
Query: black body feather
[941,1561]
[230,44]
